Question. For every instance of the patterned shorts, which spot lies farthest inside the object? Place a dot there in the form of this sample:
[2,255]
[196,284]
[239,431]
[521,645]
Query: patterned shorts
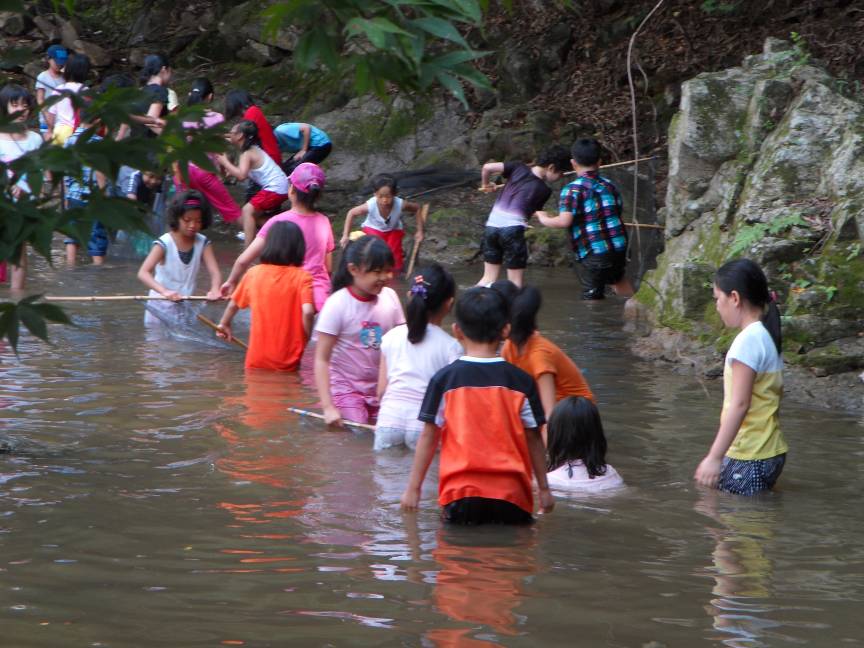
[742,477]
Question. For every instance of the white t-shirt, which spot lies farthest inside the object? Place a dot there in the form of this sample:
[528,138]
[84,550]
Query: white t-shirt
[269,176]
[49,83]
[375,220]
[560,479]
[63,110]
[12,149]
[359,325]
[410,367]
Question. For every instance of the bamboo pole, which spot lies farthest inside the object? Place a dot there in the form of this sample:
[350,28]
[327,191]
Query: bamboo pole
[496,187]
[645,225]
[213,325]
[316,415]
[94,298]
[421,217]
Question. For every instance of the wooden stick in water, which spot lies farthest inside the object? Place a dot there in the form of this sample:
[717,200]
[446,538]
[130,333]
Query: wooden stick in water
[213,325]
[421,217]
[93,298]
[303,412]
[496,187]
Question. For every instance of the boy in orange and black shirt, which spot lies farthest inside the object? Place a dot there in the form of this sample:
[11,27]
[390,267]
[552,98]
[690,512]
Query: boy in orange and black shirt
[486,413]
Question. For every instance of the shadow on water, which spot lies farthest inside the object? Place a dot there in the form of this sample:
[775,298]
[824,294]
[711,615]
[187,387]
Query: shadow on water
[158,495]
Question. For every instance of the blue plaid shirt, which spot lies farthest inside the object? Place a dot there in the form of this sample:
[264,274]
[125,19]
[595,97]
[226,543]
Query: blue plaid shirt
[596,207]
[80,188]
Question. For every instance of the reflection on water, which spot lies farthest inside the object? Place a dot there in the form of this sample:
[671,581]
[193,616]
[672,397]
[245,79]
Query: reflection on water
[157,494]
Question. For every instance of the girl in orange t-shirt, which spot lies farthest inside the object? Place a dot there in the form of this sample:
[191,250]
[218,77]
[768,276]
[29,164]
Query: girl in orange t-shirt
[556,375]
[279,292]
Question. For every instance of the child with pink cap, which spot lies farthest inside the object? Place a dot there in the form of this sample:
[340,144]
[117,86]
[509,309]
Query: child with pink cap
[306,183]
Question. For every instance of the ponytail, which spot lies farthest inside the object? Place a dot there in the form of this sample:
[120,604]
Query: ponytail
[308,198]
[771,322]
[748,280]
[523,314]
[431,288]
[249,131]
[201,89]
[368,253]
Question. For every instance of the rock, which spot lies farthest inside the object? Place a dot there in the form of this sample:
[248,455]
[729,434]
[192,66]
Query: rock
[14,23]
[98,56]
[137,56]
[839,357]
[811,331]
[33,69]
[771,249]
[69,32]
[48,27]
[259,53]
[519,77]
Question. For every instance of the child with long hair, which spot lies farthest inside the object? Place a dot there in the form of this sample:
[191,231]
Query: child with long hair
[279,292]
[383,212]
[256,165]
[17,100]
[577,448]
[239,103]
[556,375]
[171,268]
[61,117]
[412,354]
[749,450]
[304,189]
[350,327]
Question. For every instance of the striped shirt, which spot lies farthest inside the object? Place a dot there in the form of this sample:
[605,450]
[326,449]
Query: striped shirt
[596,207]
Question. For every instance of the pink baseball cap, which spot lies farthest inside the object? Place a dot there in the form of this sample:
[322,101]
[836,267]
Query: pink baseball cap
[307,176]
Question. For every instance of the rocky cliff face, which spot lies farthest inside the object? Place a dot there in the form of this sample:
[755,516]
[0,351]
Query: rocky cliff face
[766,160]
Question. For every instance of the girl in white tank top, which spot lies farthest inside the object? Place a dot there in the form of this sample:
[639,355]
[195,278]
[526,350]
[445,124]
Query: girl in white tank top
[171,268]
[260,168]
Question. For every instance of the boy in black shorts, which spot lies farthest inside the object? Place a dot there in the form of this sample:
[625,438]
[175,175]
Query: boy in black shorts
[590,207]
[526,191]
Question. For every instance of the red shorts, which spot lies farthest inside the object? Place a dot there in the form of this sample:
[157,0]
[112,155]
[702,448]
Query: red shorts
[267,200]
[393,239]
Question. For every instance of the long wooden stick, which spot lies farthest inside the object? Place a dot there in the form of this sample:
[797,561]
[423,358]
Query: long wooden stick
[645,225]
[421,217]
[316,415]
[213,325]
[496,187]
[93,298]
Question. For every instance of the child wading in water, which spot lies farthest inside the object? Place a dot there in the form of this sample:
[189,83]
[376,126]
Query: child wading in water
[749,451]
[412,354]
[525,193]
[383,213]
[305,186]
[255,164]
[486,414]
[279,292]
[350,327]
[171,268]
[577,448]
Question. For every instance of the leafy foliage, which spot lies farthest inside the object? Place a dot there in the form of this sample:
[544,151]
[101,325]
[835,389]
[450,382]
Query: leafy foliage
[748,235]
[411,43]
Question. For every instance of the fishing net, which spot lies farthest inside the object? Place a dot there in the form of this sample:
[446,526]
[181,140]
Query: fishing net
[137,245]
[179,320]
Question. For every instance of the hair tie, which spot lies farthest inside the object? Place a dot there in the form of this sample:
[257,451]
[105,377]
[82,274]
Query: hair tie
[191,202]
[419,287]
[772,296]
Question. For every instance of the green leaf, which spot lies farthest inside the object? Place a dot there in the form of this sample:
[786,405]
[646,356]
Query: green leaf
[440,28]
[12,5]
[452,84]
[53,313]
[33,320]
[9,326]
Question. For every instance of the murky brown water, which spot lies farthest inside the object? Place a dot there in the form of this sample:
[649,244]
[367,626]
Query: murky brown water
[159,496]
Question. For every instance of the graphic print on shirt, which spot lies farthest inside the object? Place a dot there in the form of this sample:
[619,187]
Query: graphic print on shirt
[371,334]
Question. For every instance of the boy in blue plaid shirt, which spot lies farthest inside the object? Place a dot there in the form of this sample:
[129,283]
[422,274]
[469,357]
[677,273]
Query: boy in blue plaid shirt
[591,207]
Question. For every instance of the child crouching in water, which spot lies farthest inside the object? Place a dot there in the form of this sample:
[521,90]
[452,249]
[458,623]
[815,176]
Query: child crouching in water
[171,268]
[486,415]
[749,450]
[279,292]
[383,213]
[350,327]
[412,354]
[577,448]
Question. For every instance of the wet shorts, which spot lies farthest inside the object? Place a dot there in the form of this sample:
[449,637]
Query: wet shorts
[743,477]
[507,245]
[483,510]
[356,407]
[265,201]
[596,271]
[390,437]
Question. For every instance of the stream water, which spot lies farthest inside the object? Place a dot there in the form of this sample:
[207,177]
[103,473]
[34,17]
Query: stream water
[159,496]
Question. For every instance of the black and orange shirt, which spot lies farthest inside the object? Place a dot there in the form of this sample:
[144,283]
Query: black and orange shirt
[483,406]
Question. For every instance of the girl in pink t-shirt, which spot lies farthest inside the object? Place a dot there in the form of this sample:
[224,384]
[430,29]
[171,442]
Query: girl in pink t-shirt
[306,184]
[350,327]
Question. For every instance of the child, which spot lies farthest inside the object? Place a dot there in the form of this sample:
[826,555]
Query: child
[577,448]
[355,317]
[156,74]
[525,193]
[62,117]
[556,375]
[411,355]
[78,191]
[49,80]
[590,207]
[749,451]
[17,99]
[383,213]
[486,413]
[200,179]
[256,165]
[303,142]
[171,268]
[238,103]
[280,295]
[304,189]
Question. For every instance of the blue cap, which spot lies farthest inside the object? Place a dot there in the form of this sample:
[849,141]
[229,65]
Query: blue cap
[58,53]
